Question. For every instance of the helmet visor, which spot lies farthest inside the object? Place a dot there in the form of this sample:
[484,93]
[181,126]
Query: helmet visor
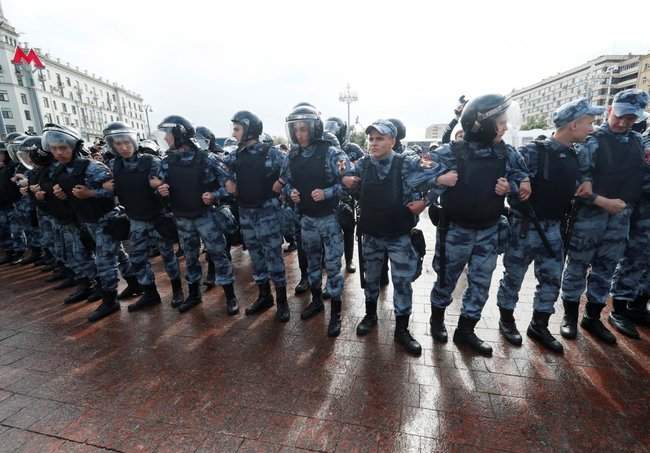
[301,131]
[57,138]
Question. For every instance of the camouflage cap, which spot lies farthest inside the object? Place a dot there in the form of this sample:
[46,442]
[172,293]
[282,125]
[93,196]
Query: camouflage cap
[631,102]
[574,110]
[384,127]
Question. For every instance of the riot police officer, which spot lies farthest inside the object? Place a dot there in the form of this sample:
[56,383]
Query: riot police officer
[536,225]
[132,171]
[312,179]
[611,176]
[193,181]
[482,171]
[256,167]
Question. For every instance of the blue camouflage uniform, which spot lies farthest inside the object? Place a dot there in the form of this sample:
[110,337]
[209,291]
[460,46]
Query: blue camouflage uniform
[25,212]
[325,230]
[526,244]
[631,275]
[143,233]
[598,238]
[261,220]
[416,178]
[205,227]
[475,247]
[109,253]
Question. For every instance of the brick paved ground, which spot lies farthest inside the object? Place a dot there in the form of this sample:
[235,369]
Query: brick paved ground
[203,381]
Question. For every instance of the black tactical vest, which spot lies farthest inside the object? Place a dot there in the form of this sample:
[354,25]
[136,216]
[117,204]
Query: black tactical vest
[307,174]
[254,180]
[9,191]
[89,210]
[618,171]
[33,179]
[186,185]
[383,213]
[472,202]
[59,209]
[555,182]
[133,190]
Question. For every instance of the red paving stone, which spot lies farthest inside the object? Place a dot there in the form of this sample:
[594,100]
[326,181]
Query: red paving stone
[158,381]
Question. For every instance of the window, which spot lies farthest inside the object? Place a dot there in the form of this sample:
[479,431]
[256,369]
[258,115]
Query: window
[4,96]
[23,98]
[67,80]
[74,109]
[54,104]
[65,107]
[0,70]
[28,115]
[10,128]
[7,114]
[46,103]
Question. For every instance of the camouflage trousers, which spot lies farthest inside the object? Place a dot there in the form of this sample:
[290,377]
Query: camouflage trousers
[25,212]
[629,274]
[403,266]
[109,255]
[140,238]
[74,254]
[598,241]
[46,231]
[318,234]
[521,252]
[478,250]
[262,232]
[204,228]
[10,234]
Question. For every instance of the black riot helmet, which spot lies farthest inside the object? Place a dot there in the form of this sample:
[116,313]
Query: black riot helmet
[337,127]
[251,123]
[31,151]
[266,139]
[479,117]
[181,129]
[53,134]
[206,138]
[13,145]
[304,116]
[119,131]
[401,130]
[331,139]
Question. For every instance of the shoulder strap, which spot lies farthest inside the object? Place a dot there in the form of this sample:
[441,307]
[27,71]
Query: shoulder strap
[543,159]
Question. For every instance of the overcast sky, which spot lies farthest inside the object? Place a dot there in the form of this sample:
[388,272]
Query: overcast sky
[407,59]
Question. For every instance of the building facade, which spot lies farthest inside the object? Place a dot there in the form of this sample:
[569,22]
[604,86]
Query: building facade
[435,132]
[598,80]
[60,93]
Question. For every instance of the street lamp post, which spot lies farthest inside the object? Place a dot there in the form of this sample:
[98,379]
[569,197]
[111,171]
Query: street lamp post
[147,109]
[348,96]
[610,70]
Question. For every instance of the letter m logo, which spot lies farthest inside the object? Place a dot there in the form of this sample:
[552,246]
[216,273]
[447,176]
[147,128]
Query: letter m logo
[20,57]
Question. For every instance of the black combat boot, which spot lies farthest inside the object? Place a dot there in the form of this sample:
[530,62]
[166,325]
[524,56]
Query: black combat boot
[538,330]
[82,293]
[437,324]
[464,335]
[315,306]
[97,291]
[35,255]
[232,305]
[282,314]
[263,302]
[177,293]
[621,321]
[369,321]
[638,310]
[45,259]
[302,286]
[334,326]
[10,257]
[569,329]
[60,273]
[108,306]
[132,289]
[150,298]
[326,295]
[404,337]
[18,258]
[592,324]
[508,328]
[193,298]
[349,267]
[68,280]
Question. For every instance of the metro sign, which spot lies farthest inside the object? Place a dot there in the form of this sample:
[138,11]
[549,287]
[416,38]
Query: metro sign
[20,57]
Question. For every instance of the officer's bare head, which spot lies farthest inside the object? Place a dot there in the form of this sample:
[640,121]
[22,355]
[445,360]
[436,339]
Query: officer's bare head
[237,132]
[619,124]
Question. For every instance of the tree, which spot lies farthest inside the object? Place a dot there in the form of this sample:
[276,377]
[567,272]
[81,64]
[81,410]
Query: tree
[359,138]
[534,122]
